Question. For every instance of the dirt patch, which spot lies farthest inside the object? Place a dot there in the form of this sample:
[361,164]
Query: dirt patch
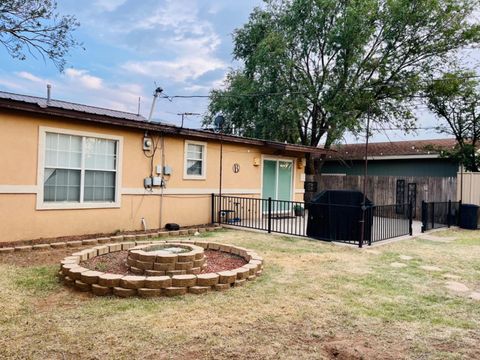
[36,257]
[61,299]
[116,262]
[113,263]
[349,350]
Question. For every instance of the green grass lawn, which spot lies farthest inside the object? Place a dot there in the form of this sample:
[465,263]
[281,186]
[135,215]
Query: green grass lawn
[313,301]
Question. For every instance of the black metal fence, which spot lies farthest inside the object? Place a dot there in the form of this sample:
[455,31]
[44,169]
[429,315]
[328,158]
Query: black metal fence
[391,221]
[330,222]
[286,217]
[437,215]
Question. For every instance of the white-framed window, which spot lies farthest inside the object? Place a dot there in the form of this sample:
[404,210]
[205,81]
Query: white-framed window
[78,169]
[195,158]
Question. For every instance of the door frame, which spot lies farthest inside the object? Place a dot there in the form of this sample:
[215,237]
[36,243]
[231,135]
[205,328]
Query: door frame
[277,159]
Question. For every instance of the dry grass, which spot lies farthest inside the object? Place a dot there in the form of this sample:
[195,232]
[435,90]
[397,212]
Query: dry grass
[315,300]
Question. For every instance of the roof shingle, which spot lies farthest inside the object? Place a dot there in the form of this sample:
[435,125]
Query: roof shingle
[397,148]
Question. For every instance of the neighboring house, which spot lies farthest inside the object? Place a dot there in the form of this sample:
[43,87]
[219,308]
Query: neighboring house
[70,169]
[399,158]
[398,172]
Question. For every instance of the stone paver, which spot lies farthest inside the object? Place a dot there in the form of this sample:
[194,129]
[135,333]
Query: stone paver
[109,280]
[75,243]
[475,296]
[184,280]
[430,268]
[227,277]
[174,291]
[58,245]
[23,248]
[101,290]
[132,282]
[158,282]
[207,279]
[122,292]
[451,276]
[148,293]
[398,265]
[456,286]
[41,247]
[199,289]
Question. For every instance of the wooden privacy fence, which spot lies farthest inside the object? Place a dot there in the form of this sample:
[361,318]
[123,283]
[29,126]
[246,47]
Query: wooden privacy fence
[396,189]
[469,188]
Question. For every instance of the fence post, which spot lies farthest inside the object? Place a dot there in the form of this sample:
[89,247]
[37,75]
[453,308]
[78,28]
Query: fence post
[269,215]
[449,213]
[457,222]
[424,216]
[410,218]
[362,227]
[433,215]
[213,209]
[368,228]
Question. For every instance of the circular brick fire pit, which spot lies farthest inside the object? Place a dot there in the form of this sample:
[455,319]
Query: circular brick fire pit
[166,259]
[160,268]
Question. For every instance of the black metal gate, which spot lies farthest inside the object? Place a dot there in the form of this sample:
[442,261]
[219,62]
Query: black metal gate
[437,215]
[412,197]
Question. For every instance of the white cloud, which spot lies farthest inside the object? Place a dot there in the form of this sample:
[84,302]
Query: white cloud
[82,76]
[188,42]
[28,76]
[179,70]
[79,87]
[109,5]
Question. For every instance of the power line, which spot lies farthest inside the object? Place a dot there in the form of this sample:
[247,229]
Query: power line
[262,94]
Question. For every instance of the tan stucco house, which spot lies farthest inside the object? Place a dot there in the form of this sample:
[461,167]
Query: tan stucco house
[70,169]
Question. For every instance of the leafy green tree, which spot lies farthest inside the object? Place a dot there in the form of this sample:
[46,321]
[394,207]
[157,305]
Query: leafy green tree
[456,100]
[34,27]
[316,67]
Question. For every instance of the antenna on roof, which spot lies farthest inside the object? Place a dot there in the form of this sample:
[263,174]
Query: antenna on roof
[156,93]
[186,114]
[49,91]
[138,108]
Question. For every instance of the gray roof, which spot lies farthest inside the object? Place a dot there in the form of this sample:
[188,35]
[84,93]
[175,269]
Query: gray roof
[42,102]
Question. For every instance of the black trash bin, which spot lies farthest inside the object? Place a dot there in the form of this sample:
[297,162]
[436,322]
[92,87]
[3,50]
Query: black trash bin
[336,214]
[469,216]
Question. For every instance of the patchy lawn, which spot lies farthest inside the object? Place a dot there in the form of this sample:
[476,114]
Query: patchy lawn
[314,300]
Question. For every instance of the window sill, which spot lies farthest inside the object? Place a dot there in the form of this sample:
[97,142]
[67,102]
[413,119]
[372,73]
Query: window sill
[190,177]
[77,206]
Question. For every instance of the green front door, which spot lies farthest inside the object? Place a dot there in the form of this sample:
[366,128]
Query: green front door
[277,183]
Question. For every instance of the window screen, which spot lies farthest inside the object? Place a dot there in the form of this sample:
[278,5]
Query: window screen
[195,159]
[73,162]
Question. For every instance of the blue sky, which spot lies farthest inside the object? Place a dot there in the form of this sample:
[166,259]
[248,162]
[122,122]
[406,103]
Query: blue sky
[185,46]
